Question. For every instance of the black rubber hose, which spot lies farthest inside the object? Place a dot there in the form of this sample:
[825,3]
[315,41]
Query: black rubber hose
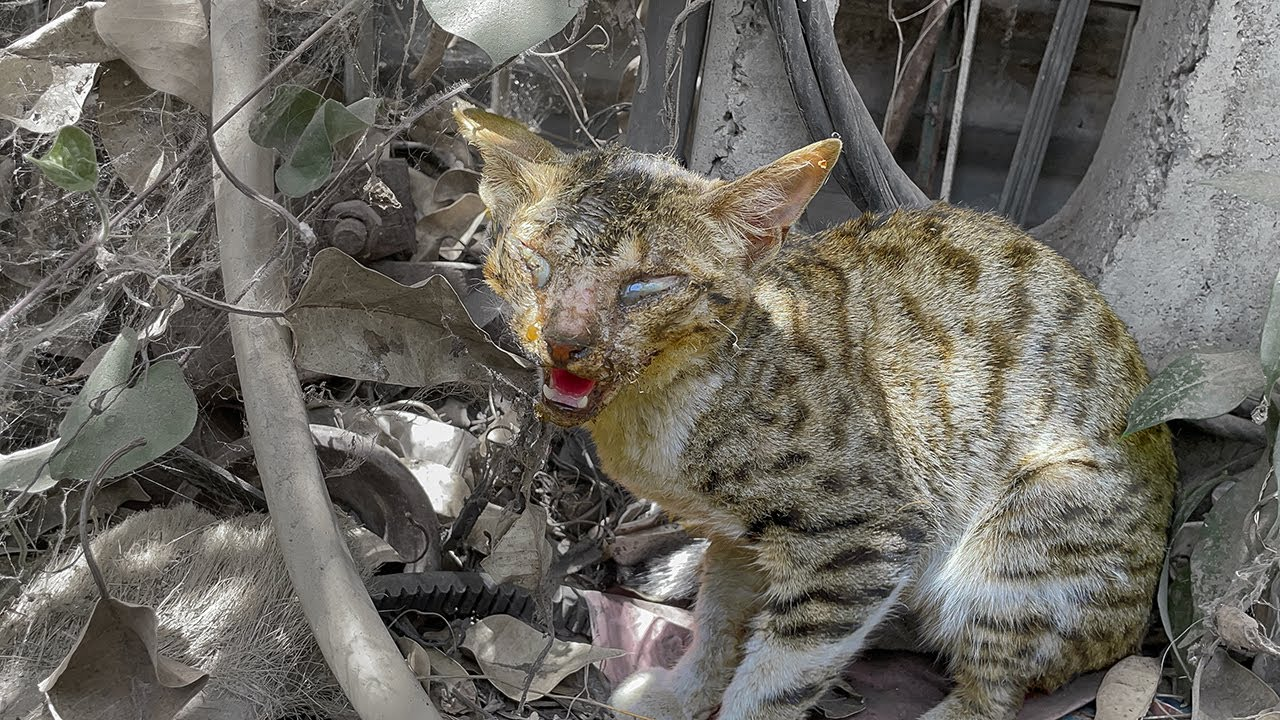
[830,104]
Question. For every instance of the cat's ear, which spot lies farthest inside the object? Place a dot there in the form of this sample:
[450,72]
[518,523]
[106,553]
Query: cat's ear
[517,163]
[761,205]
[488,131]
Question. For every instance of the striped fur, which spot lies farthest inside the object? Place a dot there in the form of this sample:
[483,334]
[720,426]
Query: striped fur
[919,412]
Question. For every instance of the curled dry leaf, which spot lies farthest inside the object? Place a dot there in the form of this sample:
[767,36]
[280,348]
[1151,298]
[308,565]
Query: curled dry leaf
[1241,632]
[451,221]
[115,672]
[166,42]
[354,322]
[67,39]
[507,651]
[454,183]
[1127,689]
[523,555]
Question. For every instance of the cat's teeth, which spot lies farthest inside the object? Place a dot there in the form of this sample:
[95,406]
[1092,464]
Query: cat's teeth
[556,396]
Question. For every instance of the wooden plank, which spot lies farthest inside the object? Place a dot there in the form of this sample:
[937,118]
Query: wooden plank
[1037,126]
[647,126]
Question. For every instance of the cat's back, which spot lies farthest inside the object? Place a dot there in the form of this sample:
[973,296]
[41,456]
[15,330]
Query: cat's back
[986,344]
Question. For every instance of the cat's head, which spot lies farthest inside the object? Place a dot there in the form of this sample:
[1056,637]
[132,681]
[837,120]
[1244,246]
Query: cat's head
[621,266]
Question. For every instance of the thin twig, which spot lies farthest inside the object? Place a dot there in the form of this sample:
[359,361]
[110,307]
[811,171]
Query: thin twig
[308,235]
[98,474]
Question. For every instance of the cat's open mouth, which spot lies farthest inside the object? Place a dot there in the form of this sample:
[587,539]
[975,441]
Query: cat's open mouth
[570,398]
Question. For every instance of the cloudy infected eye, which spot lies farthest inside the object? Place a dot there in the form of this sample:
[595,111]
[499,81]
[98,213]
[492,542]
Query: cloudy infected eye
[537,265]
[647,287]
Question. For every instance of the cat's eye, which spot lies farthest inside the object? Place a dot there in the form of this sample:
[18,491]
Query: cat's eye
[647,287]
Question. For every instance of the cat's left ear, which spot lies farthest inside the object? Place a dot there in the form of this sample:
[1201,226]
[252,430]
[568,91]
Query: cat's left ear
[761,205]
[489,132]
[518,165]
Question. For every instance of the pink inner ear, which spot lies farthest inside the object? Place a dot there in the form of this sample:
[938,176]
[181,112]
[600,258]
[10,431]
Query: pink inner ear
[773,197]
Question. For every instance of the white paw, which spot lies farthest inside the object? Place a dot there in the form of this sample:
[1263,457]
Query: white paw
[648,694]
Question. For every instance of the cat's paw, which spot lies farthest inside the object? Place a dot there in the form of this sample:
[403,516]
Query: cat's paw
[648,694]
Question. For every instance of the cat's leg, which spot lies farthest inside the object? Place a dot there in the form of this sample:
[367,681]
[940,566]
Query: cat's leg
[829,589]
[1055,580]
[729,596]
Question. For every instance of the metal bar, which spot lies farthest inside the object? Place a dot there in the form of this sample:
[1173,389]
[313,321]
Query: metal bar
[647,125]
[1037,126]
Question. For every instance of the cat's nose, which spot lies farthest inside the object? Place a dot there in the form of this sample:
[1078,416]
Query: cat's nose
[563,349]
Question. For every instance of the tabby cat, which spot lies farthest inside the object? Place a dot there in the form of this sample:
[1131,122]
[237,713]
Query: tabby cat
[919,413]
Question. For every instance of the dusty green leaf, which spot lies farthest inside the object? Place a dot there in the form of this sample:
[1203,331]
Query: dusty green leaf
[354,322]
[1256,185]
[503,28]
[109,412]
[304,127]
[1225,544]
[28,470]
[507,650]
[166,42]
[1127,689]
[1225,690]
[1196,385]
[71,163]
[116,672]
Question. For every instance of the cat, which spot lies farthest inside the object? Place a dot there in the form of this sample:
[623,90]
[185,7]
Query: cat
[917,412]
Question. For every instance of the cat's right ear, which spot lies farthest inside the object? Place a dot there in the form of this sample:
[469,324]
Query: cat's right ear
[518,164]
[765,203]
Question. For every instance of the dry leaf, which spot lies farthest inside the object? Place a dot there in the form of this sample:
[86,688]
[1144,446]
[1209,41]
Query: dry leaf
[354,322]
[454,183]
[114,671]
[507,650]
[1241,632]
[1127,688]
[69,38]
[421,187]
[1225,690]
[132,127]
[523,555]
[451,221]
[165,41]
[40,96]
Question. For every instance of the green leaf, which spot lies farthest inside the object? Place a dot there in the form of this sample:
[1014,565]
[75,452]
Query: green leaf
[1270,351]
[1196,385]
[504,28]
[304,127]
[27,470]
[71,163]
[108,413]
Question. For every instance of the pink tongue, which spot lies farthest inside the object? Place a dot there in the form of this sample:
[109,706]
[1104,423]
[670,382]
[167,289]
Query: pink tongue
[570,384]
